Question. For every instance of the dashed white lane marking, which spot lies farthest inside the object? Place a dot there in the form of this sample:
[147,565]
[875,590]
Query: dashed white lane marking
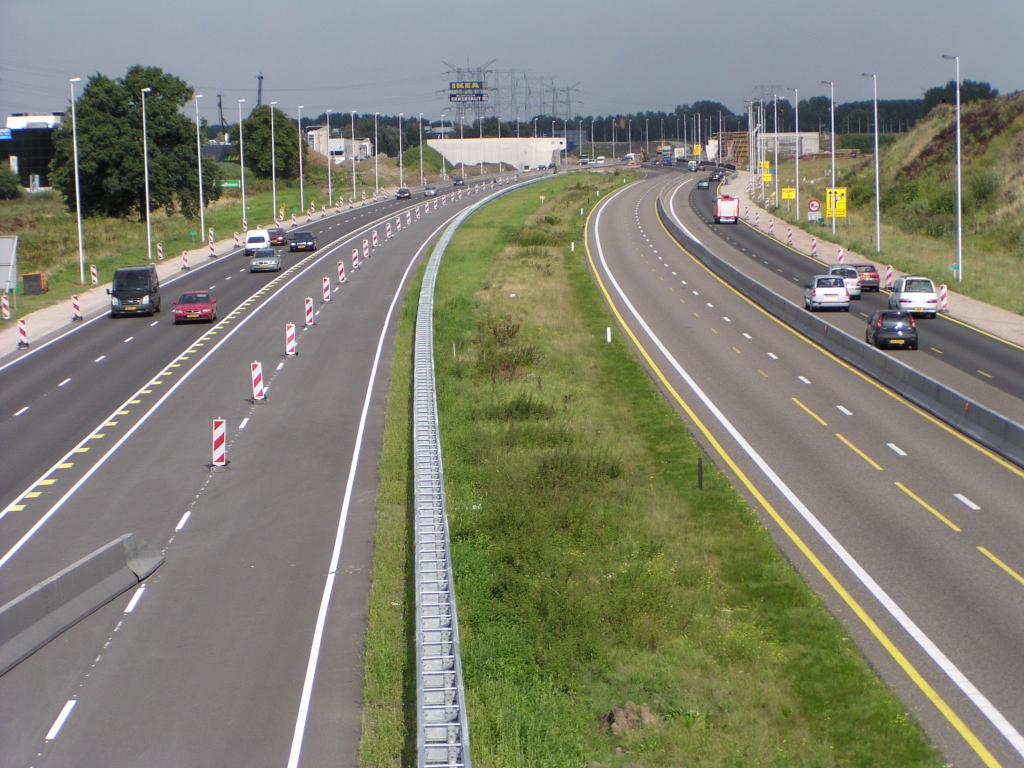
[317,312]
[696,293]
[63,382]
[844,410]
[246,419]
[21,411]
[242,270]
[966,502]
[228,277]
[280,365]
[135,599]
[99,358]
[683,282]
[804,379]
[155,322]
[896,449]
[726,319]
[184,519]
[710,305]
[128,339]
[773,356]
[59,722]
[748,336]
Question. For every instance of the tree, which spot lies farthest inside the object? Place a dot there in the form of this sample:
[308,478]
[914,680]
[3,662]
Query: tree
[111,168]
[10,184]
[970,90]
[257,143]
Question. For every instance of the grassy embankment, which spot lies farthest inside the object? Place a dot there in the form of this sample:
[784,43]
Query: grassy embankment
[591,573]
[48,235]
[918,197]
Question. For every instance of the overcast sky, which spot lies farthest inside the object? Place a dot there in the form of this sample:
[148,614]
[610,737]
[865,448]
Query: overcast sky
[386,55]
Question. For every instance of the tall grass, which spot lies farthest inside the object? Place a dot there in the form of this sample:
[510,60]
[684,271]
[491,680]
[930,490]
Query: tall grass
[591,574]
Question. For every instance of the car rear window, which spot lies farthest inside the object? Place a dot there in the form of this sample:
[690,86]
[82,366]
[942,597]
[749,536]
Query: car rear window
[844,271]
[865,268]
[830,282]
[894,322]
[920,285]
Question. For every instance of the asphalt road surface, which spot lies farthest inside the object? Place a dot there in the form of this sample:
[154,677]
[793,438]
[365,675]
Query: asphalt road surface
[244,648]
[910,532]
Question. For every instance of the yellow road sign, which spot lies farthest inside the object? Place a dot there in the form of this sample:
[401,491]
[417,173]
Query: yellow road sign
[766,177]
[835,199]
[696,149]
[766,165]
[789,193]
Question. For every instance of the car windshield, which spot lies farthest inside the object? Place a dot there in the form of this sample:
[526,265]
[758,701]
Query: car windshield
[265,253]
[921,285]
[194,298]
[256,239]
[830,282]
[131,281]
[303,236]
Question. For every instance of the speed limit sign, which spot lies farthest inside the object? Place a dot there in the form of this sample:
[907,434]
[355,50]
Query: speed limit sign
[814,205]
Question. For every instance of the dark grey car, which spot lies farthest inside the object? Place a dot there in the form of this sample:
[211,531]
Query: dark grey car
[265,260]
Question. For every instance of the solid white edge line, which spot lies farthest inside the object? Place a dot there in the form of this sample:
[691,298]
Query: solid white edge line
[59,722]
[321,619]
[993,715]
[135,599]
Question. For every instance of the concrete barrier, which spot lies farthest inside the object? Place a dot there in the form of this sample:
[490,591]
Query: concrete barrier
[30,621]
[989,428]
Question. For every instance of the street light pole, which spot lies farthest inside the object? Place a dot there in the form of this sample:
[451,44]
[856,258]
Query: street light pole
[330,162]
[241,162]
[273,159]
[796,148]
[648,135]
[629,134]
[832,143]
[376,154]
[959,204]
[775,109]
[401,165]
[353,157]
[78,192]
[302,192]
[421,149]
[145,164]
[199,165]
[878,202]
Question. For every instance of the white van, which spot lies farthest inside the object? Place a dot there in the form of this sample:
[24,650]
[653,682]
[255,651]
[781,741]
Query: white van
[692,166]
[600,160]
[256,239]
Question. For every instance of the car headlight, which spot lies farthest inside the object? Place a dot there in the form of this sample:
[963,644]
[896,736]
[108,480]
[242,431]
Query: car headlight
[145,299]
[114,302]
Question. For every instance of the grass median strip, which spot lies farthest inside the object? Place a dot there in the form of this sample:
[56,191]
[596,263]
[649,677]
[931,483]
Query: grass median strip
[611,612]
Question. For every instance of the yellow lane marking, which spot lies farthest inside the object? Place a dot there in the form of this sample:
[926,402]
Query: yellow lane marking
[762,373]
[175,365]
[122,413]
[714,331]
[937,351]
[111,424]
[81,450]
[811,413]
[16,507]
[736,351]
[136,402]
[904,663]
[48,481]
[156,383]
[33,495]
[1001,564]
[146,392]
[858,451]
[987,375]
[695,314]
[97,436]
[927,506]
[66,465]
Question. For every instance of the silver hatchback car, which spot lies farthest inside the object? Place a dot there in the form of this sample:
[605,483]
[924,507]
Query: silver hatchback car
[914,294]
[850,276]
[826,292]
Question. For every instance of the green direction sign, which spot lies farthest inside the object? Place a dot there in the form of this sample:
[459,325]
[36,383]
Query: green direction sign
[954,267]
[230,184]
[193,232]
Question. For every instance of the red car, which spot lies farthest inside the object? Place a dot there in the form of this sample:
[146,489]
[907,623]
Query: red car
[195,305]
[869,280]
[277,236]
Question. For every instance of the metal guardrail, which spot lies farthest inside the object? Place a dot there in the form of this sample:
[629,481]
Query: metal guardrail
[442,733]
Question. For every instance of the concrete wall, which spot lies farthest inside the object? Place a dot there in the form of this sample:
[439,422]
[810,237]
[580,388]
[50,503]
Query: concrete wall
[512,152]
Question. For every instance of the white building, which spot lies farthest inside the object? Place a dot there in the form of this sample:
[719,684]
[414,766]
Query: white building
[341,149]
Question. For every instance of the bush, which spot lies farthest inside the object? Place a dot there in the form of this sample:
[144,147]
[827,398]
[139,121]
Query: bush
[10,184]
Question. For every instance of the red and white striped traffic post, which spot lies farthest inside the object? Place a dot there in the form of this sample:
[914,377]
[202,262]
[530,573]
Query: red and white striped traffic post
[94,274]
[943,299]
[417,213]
[258,393]
[408,217]
[387,230]
[22,334]
[295,222]
[398,222]
[366,249]
[213,246]
[746,212]
[355,258]
[309,216]
[290,347]
[839,256]
[309,311]
[814,246]
[5,307]
[220,443]
[373,237]
[888,276]
[323,210]
[771,227]
[757,219]
[76,309]
[435,203]
[789,236]
[337,208]
[238,240]
[184,260]
[444,200]
[341,273]
[160,251]
[327,289]
[209,236]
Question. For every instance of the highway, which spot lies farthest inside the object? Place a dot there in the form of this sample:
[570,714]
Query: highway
[244,648]
[907,530]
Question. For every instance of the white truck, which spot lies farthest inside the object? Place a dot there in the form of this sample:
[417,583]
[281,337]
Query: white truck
[727,210]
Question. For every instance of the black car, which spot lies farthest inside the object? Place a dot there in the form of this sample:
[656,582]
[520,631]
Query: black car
[302,241]
[459,182]
[716,176]
[404,194]
[892,328]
